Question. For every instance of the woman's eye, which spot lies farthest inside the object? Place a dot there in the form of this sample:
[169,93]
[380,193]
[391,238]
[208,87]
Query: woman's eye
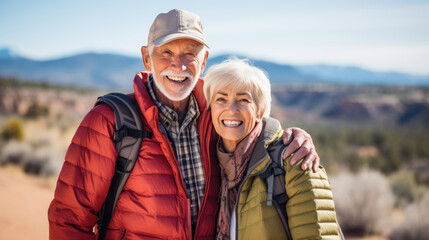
[220,99]
[245,100]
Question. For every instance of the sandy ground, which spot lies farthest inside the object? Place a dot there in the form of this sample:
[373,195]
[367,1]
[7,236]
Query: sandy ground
[24,201]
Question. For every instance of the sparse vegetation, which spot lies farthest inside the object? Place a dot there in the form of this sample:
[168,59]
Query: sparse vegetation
[45,122]
[8,82]
[12,130]
[406,188]
[385,149]
[33,159]
[363,202]
[13,82]
[14,152]
[36,110]
[416,223]
[397,155]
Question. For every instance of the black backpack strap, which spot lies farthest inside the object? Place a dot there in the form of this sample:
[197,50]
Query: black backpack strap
[274,176]
[128,137]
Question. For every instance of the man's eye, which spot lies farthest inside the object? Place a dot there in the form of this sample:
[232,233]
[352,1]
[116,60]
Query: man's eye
[166,52]
[190,55]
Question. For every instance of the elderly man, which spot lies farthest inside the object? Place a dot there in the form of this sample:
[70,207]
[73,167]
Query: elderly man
[172,192]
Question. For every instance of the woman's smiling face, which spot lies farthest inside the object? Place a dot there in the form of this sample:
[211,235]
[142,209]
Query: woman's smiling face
[234,115]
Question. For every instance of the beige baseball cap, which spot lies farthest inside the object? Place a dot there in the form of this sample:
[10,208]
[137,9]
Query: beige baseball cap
[176,24]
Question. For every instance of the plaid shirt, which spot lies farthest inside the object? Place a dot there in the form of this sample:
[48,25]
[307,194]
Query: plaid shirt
[184,139]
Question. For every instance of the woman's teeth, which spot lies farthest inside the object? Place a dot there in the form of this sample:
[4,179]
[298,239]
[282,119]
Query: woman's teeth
[230,123]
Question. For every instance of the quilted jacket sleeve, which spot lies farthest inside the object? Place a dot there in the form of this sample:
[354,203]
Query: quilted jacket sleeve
[84,178]
[310,209]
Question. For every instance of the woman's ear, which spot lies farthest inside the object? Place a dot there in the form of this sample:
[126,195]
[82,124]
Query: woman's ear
[146,59]
[260,115]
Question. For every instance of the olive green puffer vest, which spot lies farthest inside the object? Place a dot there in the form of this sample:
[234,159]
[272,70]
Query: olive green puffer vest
[310,209]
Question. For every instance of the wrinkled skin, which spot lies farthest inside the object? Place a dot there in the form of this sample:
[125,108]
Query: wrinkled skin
[301,144]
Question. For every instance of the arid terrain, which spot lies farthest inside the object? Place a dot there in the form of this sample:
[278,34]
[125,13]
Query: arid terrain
[48,118]
[24,204]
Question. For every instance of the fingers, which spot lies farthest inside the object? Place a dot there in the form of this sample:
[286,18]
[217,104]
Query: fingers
[303,151]
[311,158]
[287,136]
[316,164]
[290,134]
[296,143]
[301,144]
[300,133]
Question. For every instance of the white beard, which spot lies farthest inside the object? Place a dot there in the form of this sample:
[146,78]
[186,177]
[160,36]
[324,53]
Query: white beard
[184,93]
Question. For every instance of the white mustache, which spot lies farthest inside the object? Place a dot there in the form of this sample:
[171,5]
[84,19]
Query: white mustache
[173,73]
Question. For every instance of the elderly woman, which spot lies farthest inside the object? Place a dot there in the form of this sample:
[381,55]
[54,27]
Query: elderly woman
[239,99]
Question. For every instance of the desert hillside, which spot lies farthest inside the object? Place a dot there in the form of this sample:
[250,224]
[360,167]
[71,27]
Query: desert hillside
[363,134]
[367,105]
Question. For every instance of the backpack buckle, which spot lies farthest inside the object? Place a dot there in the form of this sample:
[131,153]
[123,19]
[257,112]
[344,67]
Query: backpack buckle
[120,133]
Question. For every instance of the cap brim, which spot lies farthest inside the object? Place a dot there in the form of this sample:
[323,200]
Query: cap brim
[171,37]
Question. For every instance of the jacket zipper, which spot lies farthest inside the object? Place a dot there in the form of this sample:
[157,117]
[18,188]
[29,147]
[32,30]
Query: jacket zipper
[241,186]
[207,173]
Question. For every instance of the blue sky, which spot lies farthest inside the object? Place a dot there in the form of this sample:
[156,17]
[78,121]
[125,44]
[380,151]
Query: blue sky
[383,35]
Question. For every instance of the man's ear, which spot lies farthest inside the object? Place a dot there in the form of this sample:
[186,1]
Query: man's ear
[206,56]
[146,58]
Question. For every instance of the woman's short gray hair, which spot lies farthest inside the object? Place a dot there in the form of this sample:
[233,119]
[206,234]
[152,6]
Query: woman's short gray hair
[239,74]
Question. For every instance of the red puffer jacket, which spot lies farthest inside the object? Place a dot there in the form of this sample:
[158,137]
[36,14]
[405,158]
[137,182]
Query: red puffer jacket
[154,203]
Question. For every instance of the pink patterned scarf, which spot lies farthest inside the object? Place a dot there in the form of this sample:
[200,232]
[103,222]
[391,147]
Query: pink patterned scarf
[233,166]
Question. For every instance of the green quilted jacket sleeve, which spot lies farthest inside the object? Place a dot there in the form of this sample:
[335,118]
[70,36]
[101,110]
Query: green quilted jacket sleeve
[310,209]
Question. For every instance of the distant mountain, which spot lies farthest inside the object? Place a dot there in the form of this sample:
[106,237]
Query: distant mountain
[8,54]
[86,70]
[277,73]
[281,73]
[355,75]
[104,70]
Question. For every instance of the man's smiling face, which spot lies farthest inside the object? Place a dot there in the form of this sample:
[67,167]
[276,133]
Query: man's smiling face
[176,67]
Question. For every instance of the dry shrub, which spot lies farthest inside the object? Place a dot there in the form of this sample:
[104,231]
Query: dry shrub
[12,130]
[43,161]
[406,188]
[37,110]
[416,223]
[14,152]
[363,202]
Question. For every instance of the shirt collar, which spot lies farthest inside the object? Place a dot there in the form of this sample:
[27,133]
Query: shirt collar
[168,116]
